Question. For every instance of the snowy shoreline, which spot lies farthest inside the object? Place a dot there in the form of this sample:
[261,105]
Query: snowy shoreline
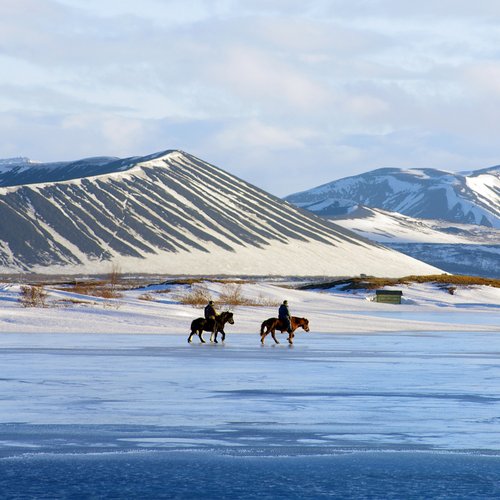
[425,308]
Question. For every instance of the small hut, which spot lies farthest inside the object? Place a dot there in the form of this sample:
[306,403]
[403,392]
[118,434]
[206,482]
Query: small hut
[389,296]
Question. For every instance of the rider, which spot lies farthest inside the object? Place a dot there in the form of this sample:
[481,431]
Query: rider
[210,312]
[284,316]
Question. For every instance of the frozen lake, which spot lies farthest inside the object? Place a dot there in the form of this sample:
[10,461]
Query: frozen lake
[334,412]
[448,317]
[203,475]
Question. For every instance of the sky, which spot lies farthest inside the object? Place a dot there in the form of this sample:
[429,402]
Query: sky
[285,94]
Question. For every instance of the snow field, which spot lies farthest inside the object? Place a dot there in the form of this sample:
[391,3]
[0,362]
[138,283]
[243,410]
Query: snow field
[424,308]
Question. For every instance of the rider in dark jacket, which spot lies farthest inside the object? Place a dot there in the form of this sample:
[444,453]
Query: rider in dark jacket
[210,312]
[285,316]
[210,316]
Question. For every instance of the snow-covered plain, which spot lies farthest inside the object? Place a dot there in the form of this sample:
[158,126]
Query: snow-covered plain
[114,386]
[424,308]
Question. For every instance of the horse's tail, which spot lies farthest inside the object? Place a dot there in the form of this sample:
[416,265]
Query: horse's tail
[264,324]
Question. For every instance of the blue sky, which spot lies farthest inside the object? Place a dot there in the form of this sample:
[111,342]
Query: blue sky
[285,94]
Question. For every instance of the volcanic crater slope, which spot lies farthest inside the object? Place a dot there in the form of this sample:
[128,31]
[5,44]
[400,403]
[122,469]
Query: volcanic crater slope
[171,213]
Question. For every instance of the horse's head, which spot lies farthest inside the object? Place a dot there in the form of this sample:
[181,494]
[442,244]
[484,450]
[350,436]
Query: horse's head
[304,323]
[227,317]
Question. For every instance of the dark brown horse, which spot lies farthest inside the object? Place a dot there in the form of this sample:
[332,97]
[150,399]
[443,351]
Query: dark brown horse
[200,325]
[273,324]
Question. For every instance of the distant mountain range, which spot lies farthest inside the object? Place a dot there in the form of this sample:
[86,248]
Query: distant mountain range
[169,213]
[471,198]
[455,248]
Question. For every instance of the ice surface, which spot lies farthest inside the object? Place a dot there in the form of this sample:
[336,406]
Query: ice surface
[377,401]
[202,475]
[427,391]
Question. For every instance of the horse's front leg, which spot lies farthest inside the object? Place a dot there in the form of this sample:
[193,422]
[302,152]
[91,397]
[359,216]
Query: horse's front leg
[213,334]
[223,335]
[291,335]
[273,333]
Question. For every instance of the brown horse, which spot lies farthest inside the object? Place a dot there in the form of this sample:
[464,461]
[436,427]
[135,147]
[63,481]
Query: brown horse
[200,325]
[273,324]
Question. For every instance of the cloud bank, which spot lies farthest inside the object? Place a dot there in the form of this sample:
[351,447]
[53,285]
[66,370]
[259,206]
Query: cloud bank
[285,94]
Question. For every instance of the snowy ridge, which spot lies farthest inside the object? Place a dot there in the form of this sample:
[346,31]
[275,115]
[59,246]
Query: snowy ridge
[390,227]
[421,193]
[20,171]
[10,164]
[455,248]
[172,213]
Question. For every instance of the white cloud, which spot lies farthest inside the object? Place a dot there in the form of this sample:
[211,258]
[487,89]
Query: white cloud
[316,89]
[485,77]
[118,133]
[267,81]
[254,134]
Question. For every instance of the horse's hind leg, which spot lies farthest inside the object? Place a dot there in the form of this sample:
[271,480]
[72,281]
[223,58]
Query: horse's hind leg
[263,335]
[191,336]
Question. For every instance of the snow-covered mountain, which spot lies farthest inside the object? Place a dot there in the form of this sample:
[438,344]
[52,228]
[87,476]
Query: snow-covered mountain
[455,248]
[169,213]
[468,198]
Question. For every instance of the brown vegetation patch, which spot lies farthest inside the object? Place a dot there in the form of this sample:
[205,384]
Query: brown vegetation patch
[33,296]
[198,295]
[230,296]
[106,289]
[107,293]
[75,301]
[447,281]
